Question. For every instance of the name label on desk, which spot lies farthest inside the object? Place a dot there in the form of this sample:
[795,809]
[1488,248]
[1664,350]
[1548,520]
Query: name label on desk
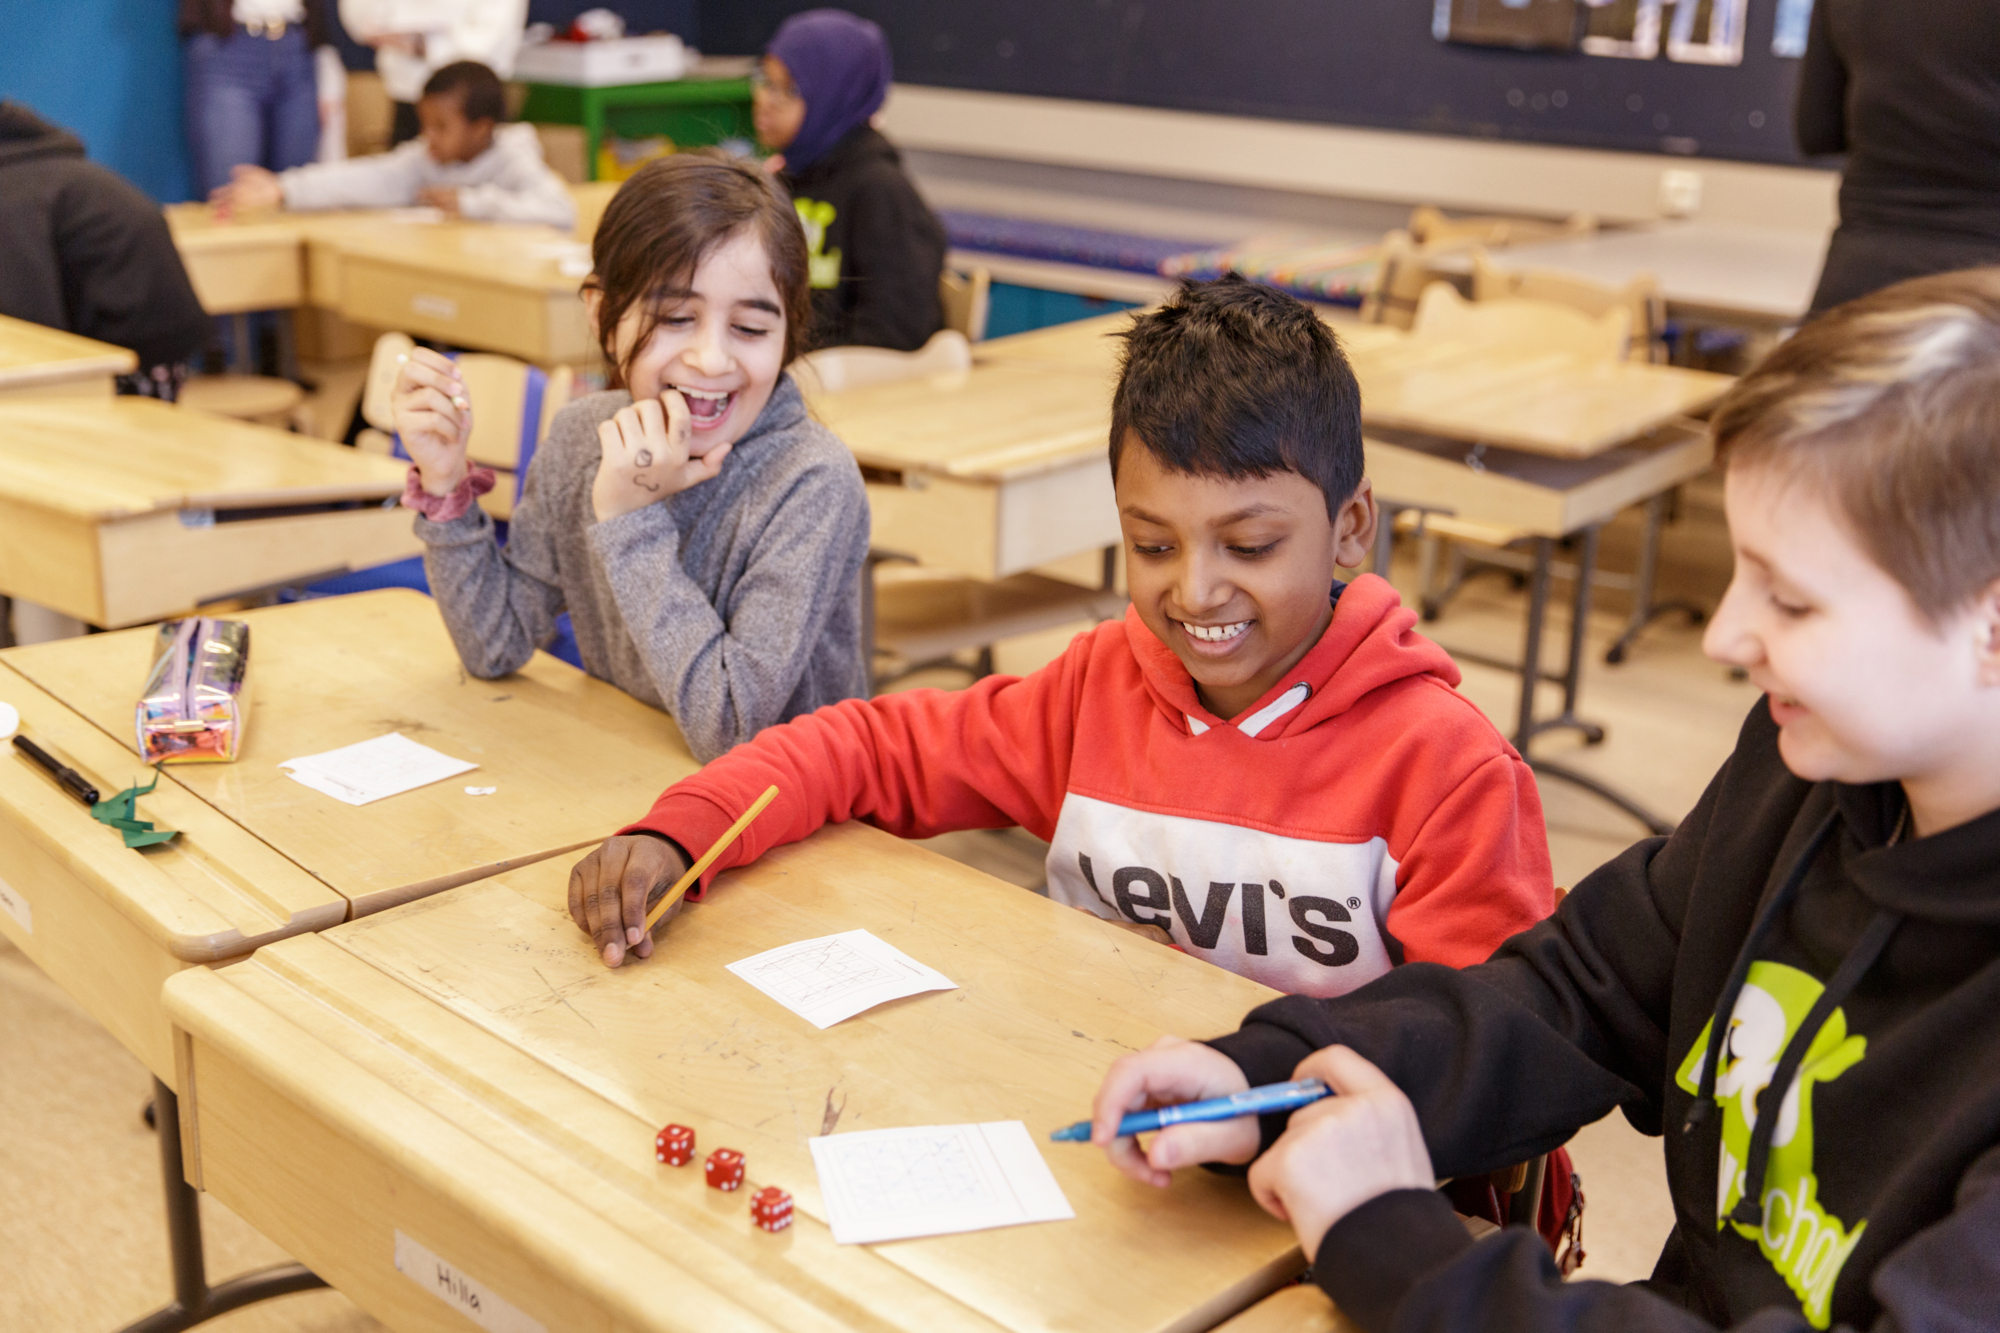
[434,307]
[469,1296]
[17,907]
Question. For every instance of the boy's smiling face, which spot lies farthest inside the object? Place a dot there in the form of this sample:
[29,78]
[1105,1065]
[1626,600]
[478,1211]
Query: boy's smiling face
[1234,573]
[1863,686]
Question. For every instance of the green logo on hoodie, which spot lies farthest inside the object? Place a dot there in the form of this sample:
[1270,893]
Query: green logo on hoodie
[822,264]
[1803,1242]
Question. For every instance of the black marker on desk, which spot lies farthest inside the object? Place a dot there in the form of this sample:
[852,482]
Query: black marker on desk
[72,781]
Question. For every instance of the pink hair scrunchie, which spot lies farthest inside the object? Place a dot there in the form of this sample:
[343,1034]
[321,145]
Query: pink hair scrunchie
[445,508]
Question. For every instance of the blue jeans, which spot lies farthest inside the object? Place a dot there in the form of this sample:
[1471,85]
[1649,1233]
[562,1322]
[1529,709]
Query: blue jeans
[249,100]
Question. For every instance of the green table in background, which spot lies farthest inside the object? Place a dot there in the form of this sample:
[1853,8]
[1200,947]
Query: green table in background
[694,113]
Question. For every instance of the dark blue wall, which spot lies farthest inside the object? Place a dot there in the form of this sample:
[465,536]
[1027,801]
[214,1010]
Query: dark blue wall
[1348,62]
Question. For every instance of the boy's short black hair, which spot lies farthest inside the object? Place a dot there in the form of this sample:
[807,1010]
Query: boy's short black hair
[482,95]
[1231,379]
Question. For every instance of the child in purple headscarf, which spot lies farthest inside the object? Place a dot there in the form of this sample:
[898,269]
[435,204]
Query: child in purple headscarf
[877,250]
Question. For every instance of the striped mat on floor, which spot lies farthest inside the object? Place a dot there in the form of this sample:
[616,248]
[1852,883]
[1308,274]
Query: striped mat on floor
[1311,268]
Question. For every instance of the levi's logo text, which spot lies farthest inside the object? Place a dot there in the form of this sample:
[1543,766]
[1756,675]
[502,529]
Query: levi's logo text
[1297,914]
[1144,895]
[1800,1239]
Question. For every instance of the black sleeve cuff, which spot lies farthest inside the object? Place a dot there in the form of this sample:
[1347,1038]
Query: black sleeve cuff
[1265,1053]
[1369,1259]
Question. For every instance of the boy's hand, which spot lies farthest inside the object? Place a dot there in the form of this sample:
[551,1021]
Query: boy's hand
[441,197]
[249,189]
[609,890]
[645,456]
[1341,1151]
[434,419]
[1170,1071]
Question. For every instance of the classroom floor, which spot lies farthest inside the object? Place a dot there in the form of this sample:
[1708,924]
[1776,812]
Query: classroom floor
[82,1234]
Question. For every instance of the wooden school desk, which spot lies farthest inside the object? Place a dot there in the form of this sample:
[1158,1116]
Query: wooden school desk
[40,362]
[261,857]
[126,510]
[462,1078]
[1759,277]
[498,287]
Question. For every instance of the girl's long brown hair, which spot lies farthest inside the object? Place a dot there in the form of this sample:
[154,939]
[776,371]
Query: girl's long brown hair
[666,219]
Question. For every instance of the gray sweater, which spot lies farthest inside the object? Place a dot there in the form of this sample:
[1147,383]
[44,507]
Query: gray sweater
[733,604]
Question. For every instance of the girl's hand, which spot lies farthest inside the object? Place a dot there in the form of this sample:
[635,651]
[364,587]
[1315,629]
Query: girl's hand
[1343,1150]
[434,419]
[1170,1071]
[610,888]
[645,456]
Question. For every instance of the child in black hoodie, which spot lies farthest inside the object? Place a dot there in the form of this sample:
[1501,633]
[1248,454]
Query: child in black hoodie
[877,250]
[1800,987]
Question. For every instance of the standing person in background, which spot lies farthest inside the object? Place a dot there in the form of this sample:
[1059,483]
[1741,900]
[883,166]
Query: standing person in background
[877,250]
[1911,93]
[252,84]
[413,39]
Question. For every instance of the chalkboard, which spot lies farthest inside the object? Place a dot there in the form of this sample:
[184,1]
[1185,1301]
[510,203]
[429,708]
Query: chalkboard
[1373,63]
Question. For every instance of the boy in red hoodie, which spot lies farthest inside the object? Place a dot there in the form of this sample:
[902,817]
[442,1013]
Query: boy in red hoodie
[1269,766]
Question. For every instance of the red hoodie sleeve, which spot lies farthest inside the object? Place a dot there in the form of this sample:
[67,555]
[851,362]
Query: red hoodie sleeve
[1477,871]
[916,764]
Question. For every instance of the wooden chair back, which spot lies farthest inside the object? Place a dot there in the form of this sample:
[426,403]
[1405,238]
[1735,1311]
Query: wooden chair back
[1641,297]
[833,369]
[1528,327]
[1430,228]
[966,298]
[513,406]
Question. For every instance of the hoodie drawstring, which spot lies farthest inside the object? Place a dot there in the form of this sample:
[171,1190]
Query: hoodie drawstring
[1867,948]
[1749,1209]
[1739,971]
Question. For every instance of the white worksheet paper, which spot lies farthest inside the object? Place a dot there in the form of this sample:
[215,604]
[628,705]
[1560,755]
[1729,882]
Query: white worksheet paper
[931,1180]
[838,976]
[370,770]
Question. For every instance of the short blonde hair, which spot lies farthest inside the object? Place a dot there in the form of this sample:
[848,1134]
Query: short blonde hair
[1890,407]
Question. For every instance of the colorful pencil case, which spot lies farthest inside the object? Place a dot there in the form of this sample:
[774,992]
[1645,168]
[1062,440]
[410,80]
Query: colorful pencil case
[197,697]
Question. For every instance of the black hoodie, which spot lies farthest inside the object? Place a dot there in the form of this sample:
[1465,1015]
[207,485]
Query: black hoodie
[877,250]
[1880,1187]
[83,249]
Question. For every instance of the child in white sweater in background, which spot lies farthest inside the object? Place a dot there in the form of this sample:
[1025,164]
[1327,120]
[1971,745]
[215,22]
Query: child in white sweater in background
[465,162]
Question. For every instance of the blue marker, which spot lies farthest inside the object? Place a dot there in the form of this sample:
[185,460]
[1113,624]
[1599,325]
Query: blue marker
[1257,1101]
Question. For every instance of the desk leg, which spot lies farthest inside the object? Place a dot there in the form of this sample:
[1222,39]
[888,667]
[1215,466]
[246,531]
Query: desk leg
[1385,538]
[194,1300]
[1526,727]
[1644,609]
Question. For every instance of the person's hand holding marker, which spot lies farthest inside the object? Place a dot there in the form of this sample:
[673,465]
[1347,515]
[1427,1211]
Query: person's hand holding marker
[648,455]
[433,418]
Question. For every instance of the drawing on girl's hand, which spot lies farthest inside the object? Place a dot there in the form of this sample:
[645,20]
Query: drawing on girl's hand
[640,478]
[644,457]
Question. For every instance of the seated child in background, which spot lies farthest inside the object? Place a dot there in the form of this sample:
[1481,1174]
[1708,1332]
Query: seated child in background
[465,162]
[1269,766]
[877,250]
[705,534]
[1800,987]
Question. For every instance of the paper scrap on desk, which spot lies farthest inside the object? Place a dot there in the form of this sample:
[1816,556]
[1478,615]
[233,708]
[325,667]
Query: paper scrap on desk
[480,791]
[838,976]
[370,770]
[931,1180]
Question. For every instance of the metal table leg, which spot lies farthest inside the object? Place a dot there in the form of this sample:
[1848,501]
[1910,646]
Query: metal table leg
[194,1300]
[1526,726]
[1644,609]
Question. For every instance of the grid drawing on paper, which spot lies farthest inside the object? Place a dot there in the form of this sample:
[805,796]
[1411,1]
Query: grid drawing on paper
[893,1176]
[828,970]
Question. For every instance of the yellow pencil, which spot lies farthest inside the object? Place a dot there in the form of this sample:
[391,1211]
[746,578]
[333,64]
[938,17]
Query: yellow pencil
[685,882]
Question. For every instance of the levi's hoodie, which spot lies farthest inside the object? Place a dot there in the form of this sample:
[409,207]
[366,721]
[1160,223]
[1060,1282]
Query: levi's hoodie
[1361,813]
[1806,1007]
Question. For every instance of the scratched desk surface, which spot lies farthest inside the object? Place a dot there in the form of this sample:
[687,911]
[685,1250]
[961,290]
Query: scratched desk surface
[531,1081]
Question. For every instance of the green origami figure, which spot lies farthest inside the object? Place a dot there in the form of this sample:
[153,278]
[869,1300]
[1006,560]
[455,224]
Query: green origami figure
[122,813]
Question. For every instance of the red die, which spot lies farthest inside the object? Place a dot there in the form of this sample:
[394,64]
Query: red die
[674,1145]
[724,1169]
[771,1208]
